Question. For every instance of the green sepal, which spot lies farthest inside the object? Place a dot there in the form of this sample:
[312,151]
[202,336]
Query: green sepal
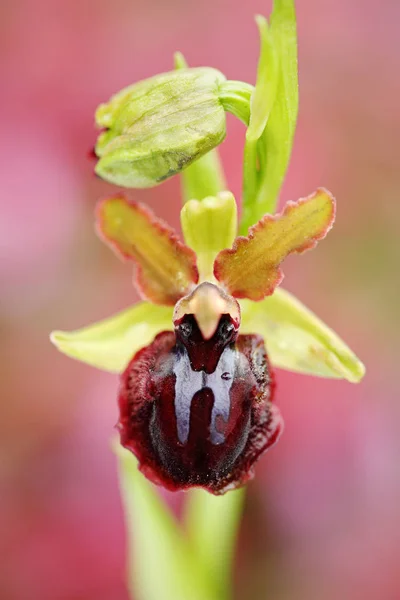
[297,340]
[209,226]
[110,344]
[159,126]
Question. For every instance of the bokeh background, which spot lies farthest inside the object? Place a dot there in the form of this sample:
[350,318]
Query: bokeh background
[322,516]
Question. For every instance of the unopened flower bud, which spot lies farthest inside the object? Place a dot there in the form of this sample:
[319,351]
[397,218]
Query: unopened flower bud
[157,127]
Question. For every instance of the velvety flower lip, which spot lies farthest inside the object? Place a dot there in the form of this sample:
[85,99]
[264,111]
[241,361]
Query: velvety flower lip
[206,426]
[197,409]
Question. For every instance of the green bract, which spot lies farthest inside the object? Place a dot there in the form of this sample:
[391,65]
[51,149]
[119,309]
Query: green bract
[274,106]
[158,126]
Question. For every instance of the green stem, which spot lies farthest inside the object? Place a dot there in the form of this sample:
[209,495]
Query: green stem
[161,563]
[250,177]
[212,524]
[255,202]
[204,178]
[235,98]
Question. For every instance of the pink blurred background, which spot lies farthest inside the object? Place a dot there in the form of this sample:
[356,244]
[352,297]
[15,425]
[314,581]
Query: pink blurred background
[322,517]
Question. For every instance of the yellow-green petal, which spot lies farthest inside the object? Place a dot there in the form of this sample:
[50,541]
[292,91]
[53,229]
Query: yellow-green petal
[208,227]
[297,340]
[110,344]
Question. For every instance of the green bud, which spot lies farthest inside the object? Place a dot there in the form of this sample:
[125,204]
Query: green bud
[159,126]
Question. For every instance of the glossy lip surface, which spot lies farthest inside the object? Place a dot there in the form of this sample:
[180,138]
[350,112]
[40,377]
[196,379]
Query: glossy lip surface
[198,412]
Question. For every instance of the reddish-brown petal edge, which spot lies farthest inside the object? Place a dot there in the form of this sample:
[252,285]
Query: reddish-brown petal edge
[164,229]
[241,240]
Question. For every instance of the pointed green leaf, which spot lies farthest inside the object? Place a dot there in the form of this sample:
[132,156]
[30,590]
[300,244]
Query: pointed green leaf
[264,94]
[277,138]
[161,563]
[208,227]
[110,344]
[297,340]
[261,103]
[205,177]
[212,524]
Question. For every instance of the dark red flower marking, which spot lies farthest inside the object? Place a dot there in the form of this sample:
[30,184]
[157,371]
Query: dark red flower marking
[198,412]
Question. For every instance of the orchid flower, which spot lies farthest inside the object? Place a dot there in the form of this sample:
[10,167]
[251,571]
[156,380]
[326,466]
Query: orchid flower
[197,356]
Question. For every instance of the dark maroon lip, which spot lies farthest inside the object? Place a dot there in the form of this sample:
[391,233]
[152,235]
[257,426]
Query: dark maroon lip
[199,412]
